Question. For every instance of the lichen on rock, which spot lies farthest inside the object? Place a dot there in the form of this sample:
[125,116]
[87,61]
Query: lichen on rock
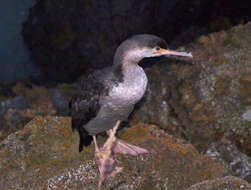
[44,155]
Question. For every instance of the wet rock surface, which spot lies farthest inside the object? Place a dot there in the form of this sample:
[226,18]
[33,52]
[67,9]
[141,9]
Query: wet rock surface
[44,155]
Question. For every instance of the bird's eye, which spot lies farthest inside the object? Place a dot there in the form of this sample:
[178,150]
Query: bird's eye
[157,48]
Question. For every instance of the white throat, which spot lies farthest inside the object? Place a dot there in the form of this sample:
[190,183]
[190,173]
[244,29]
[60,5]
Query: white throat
[133,87]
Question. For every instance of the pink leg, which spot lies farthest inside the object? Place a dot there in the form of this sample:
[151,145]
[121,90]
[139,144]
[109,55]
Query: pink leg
[104,157]
[125,148]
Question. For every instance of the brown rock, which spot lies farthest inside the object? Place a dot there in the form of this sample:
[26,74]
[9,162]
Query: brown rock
[245,89]
[206,100]
[44,156]
[226,183]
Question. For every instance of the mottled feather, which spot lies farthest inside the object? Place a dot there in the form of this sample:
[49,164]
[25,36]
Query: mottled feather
[85,104]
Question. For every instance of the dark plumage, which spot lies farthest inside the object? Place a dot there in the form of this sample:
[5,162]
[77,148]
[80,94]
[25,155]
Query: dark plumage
[85,105]
[108,96]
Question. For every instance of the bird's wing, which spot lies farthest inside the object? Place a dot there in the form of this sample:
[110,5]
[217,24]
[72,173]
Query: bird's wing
[85,104]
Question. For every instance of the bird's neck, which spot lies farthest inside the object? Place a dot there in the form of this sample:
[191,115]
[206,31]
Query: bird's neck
[126,58]
[132,86]
[124,69]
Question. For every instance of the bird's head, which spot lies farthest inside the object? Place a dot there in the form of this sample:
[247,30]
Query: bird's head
[140,46]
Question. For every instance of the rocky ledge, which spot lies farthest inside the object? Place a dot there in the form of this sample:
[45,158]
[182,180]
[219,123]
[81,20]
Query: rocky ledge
[44,156]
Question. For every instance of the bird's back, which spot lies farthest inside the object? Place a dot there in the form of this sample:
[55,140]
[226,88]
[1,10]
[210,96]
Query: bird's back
[86,102]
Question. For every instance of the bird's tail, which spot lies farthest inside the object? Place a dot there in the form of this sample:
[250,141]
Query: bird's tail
[85,138]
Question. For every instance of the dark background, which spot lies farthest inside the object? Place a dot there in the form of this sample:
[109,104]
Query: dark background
[68,38]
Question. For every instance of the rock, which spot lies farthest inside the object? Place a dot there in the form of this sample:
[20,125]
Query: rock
[60,102]
[6,91]
[44,155]
[247,115]
[1,122]
[209,99]
[13,120]
[229,155]
[16,112]
[19,102]
[41,100]
[73,34]
[215,91]
[3,108]
[226,183]
[65,36]
[12,117]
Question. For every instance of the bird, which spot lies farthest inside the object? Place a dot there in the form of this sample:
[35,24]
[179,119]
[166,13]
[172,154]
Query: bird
[107,97]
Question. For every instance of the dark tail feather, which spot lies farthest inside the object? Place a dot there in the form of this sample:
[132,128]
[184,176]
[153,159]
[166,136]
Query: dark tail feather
[85,138]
